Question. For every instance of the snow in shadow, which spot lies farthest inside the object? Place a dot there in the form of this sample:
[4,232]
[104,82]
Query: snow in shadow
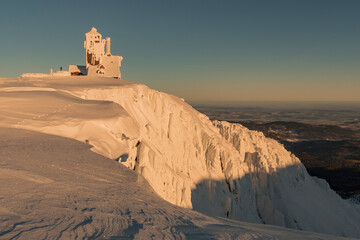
[122,158]
[286,197]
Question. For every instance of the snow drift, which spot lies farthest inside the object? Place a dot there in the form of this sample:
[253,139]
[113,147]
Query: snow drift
[56,188]
[217,168]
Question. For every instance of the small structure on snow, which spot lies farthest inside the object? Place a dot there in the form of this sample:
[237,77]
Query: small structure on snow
[98,62]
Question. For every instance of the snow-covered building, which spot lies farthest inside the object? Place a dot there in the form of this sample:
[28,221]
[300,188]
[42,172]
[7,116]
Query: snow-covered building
[97,61]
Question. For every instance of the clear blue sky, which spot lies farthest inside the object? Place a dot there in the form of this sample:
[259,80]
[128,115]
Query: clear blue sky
[201,50]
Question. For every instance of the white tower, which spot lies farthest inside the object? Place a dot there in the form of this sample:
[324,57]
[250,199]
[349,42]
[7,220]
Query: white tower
[94,47]
[98,62]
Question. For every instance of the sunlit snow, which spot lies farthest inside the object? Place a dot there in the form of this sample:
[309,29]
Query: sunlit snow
[219,169]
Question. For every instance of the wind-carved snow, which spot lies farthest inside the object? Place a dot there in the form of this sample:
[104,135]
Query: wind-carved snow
[217,168]
[55,188]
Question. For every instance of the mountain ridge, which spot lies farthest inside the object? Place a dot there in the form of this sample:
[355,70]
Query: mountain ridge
[187,159]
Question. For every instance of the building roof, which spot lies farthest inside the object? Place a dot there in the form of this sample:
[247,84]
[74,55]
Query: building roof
[93,32]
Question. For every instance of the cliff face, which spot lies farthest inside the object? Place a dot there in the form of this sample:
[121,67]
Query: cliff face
[217,168]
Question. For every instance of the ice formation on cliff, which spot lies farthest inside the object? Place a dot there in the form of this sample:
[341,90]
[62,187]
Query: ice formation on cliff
[217,168]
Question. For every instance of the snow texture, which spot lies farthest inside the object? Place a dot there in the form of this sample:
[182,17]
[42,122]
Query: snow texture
[217,168]
[55,188]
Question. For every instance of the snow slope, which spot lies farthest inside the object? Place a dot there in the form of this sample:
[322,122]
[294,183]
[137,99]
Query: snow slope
[217,168]
[56,188]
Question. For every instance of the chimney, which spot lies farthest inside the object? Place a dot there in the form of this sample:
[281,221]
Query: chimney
[108,47]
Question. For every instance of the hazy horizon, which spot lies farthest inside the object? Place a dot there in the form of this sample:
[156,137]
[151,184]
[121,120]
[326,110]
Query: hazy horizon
[351,105]
[336,113]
